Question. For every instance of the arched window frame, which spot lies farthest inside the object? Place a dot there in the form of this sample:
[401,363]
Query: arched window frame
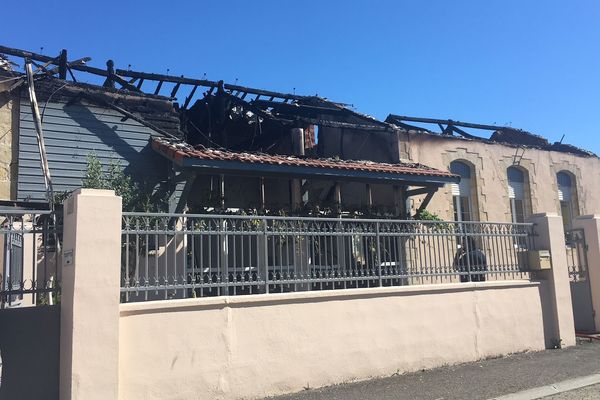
[462,193]
[567,197]
[517,193]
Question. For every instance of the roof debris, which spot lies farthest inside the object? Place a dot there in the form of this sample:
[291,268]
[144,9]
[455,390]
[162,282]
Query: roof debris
[236,117]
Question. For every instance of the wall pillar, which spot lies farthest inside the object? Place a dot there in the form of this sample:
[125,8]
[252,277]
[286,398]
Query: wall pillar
[558,314]
[591,229]
[89,343]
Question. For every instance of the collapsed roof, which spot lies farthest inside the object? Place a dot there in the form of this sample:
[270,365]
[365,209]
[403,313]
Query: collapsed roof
[239,118]
[500,134]
[230,130]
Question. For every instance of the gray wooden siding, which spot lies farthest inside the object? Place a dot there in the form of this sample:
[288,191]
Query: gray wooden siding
[72,132]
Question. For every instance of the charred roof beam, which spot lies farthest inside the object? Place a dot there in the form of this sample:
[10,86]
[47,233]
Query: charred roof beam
[392,118]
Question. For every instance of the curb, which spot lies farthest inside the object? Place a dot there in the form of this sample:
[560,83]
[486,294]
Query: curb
[555,388]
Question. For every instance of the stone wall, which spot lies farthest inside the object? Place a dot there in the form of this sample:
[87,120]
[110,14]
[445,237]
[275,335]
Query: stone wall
[9,120]
[490,162]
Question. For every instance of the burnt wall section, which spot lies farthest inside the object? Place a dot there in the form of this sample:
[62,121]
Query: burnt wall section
[72,132]
[358,144]
[224,121]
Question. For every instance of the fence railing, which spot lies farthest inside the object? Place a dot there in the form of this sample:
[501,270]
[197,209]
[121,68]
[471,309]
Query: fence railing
[29,257]
[576,250]
[185,255]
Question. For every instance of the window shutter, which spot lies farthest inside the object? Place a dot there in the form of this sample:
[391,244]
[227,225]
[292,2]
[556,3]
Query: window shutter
[516,190]
[462,189]
[564,193]
[455,189]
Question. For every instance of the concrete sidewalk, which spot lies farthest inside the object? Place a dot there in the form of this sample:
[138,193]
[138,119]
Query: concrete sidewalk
[473,381]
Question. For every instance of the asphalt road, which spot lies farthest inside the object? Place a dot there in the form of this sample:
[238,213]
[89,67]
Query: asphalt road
[474,381]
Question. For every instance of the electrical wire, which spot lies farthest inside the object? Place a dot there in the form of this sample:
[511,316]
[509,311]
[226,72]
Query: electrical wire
[48,100]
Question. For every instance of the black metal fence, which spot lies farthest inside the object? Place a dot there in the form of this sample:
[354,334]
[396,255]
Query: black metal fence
[30,252]
[576,250]
[181,255]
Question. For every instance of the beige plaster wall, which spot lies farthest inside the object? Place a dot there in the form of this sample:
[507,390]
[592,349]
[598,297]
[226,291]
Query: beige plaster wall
[9,120]
[591,226]
[491,161]
[250,347]
[89,316]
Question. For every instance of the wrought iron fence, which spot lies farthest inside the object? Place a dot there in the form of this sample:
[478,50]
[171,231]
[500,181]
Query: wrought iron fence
[182,255]
[576,250]
[29,257]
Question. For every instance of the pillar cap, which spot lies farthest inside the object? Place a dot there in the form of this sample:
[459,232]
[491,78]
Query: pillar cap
[589,216]
[93,192]
[544,214]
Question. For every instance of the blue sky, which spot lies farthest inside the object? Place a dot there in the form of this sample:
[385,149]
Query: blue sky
[531,65]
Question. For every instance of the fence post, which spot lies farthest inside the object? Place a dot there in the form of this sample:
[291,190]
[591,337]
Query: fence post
[265,254]
[378,254]
[591,229]
[89,342]
[558,312]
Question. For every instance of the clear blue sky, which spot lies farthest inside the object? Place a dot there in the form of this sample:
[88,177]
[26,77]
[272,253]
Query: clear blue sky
[529,64]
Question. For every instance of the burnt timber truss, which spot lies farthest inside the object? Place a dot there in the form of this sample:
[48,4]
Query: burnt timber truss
[451,127]
[303,107]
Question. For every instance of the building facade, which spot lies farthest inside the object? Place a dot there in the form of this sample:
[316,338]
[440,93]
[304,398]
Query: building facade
[506,182]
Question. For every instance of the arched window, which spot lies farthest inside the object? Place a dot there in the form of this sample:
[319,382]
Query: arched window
[516,193]
[461,192]
[567,195]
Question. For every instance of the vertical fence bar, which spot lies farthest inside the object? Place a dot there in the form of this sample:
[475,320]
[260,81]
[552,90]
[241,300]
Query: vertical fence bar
[378,254]
[266,255]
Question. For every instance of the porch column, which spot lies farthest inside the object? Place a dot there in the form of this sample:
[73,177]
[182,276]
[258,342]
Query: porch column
[400,201]
[297,135]
[261,194]
[91,274]
[591,230]
[558,313]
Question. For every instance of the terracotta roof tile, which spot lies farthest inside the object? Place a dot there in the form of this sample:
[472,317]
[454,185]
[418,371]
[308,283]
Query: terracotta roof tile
[178,151]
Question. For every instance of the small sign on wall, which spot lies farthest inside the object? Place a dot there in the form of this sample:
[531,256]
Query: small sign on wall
[67,258]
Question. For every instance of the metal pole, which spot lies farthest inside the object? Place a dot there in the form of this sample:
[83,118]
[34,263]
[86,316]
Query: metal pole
[37,120]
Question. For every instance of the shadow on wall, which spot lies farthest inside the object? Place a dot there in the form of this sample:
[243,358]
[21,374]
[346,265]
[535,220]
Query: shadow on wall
[143,164]
[29,347]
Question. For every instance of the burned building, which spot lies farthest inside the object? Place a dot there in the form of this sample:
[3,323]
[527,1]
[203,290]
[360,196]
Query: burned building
[507,174]
[209,146]
[228,148]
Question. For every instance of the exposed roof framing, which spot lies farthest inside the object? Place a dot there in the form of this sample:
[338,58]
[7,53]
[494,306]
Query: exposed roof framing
[134,80]
[319,111]
[450,127]
[285,106]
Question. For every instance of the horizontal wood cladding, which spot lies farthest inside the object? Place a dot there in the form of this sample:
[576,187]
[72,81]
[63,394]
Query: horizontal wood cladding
[71,133]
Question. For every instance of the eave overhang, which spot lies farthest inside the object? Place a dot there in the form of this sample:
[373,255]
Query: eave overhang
[209,161]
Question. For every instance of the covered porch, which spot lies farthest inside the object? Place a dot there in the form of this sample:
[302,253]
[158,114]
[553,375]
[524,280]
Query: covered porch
[215,180]
[228,247]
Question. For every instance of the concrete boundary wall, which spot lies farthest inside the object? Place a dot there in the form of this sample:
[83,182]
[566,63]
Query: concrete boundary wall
[255,346]
[248,347]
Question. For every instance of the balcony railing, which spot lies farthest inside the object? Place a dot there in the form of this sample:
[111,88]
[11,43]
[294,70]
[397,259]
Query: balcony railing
[184,255]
